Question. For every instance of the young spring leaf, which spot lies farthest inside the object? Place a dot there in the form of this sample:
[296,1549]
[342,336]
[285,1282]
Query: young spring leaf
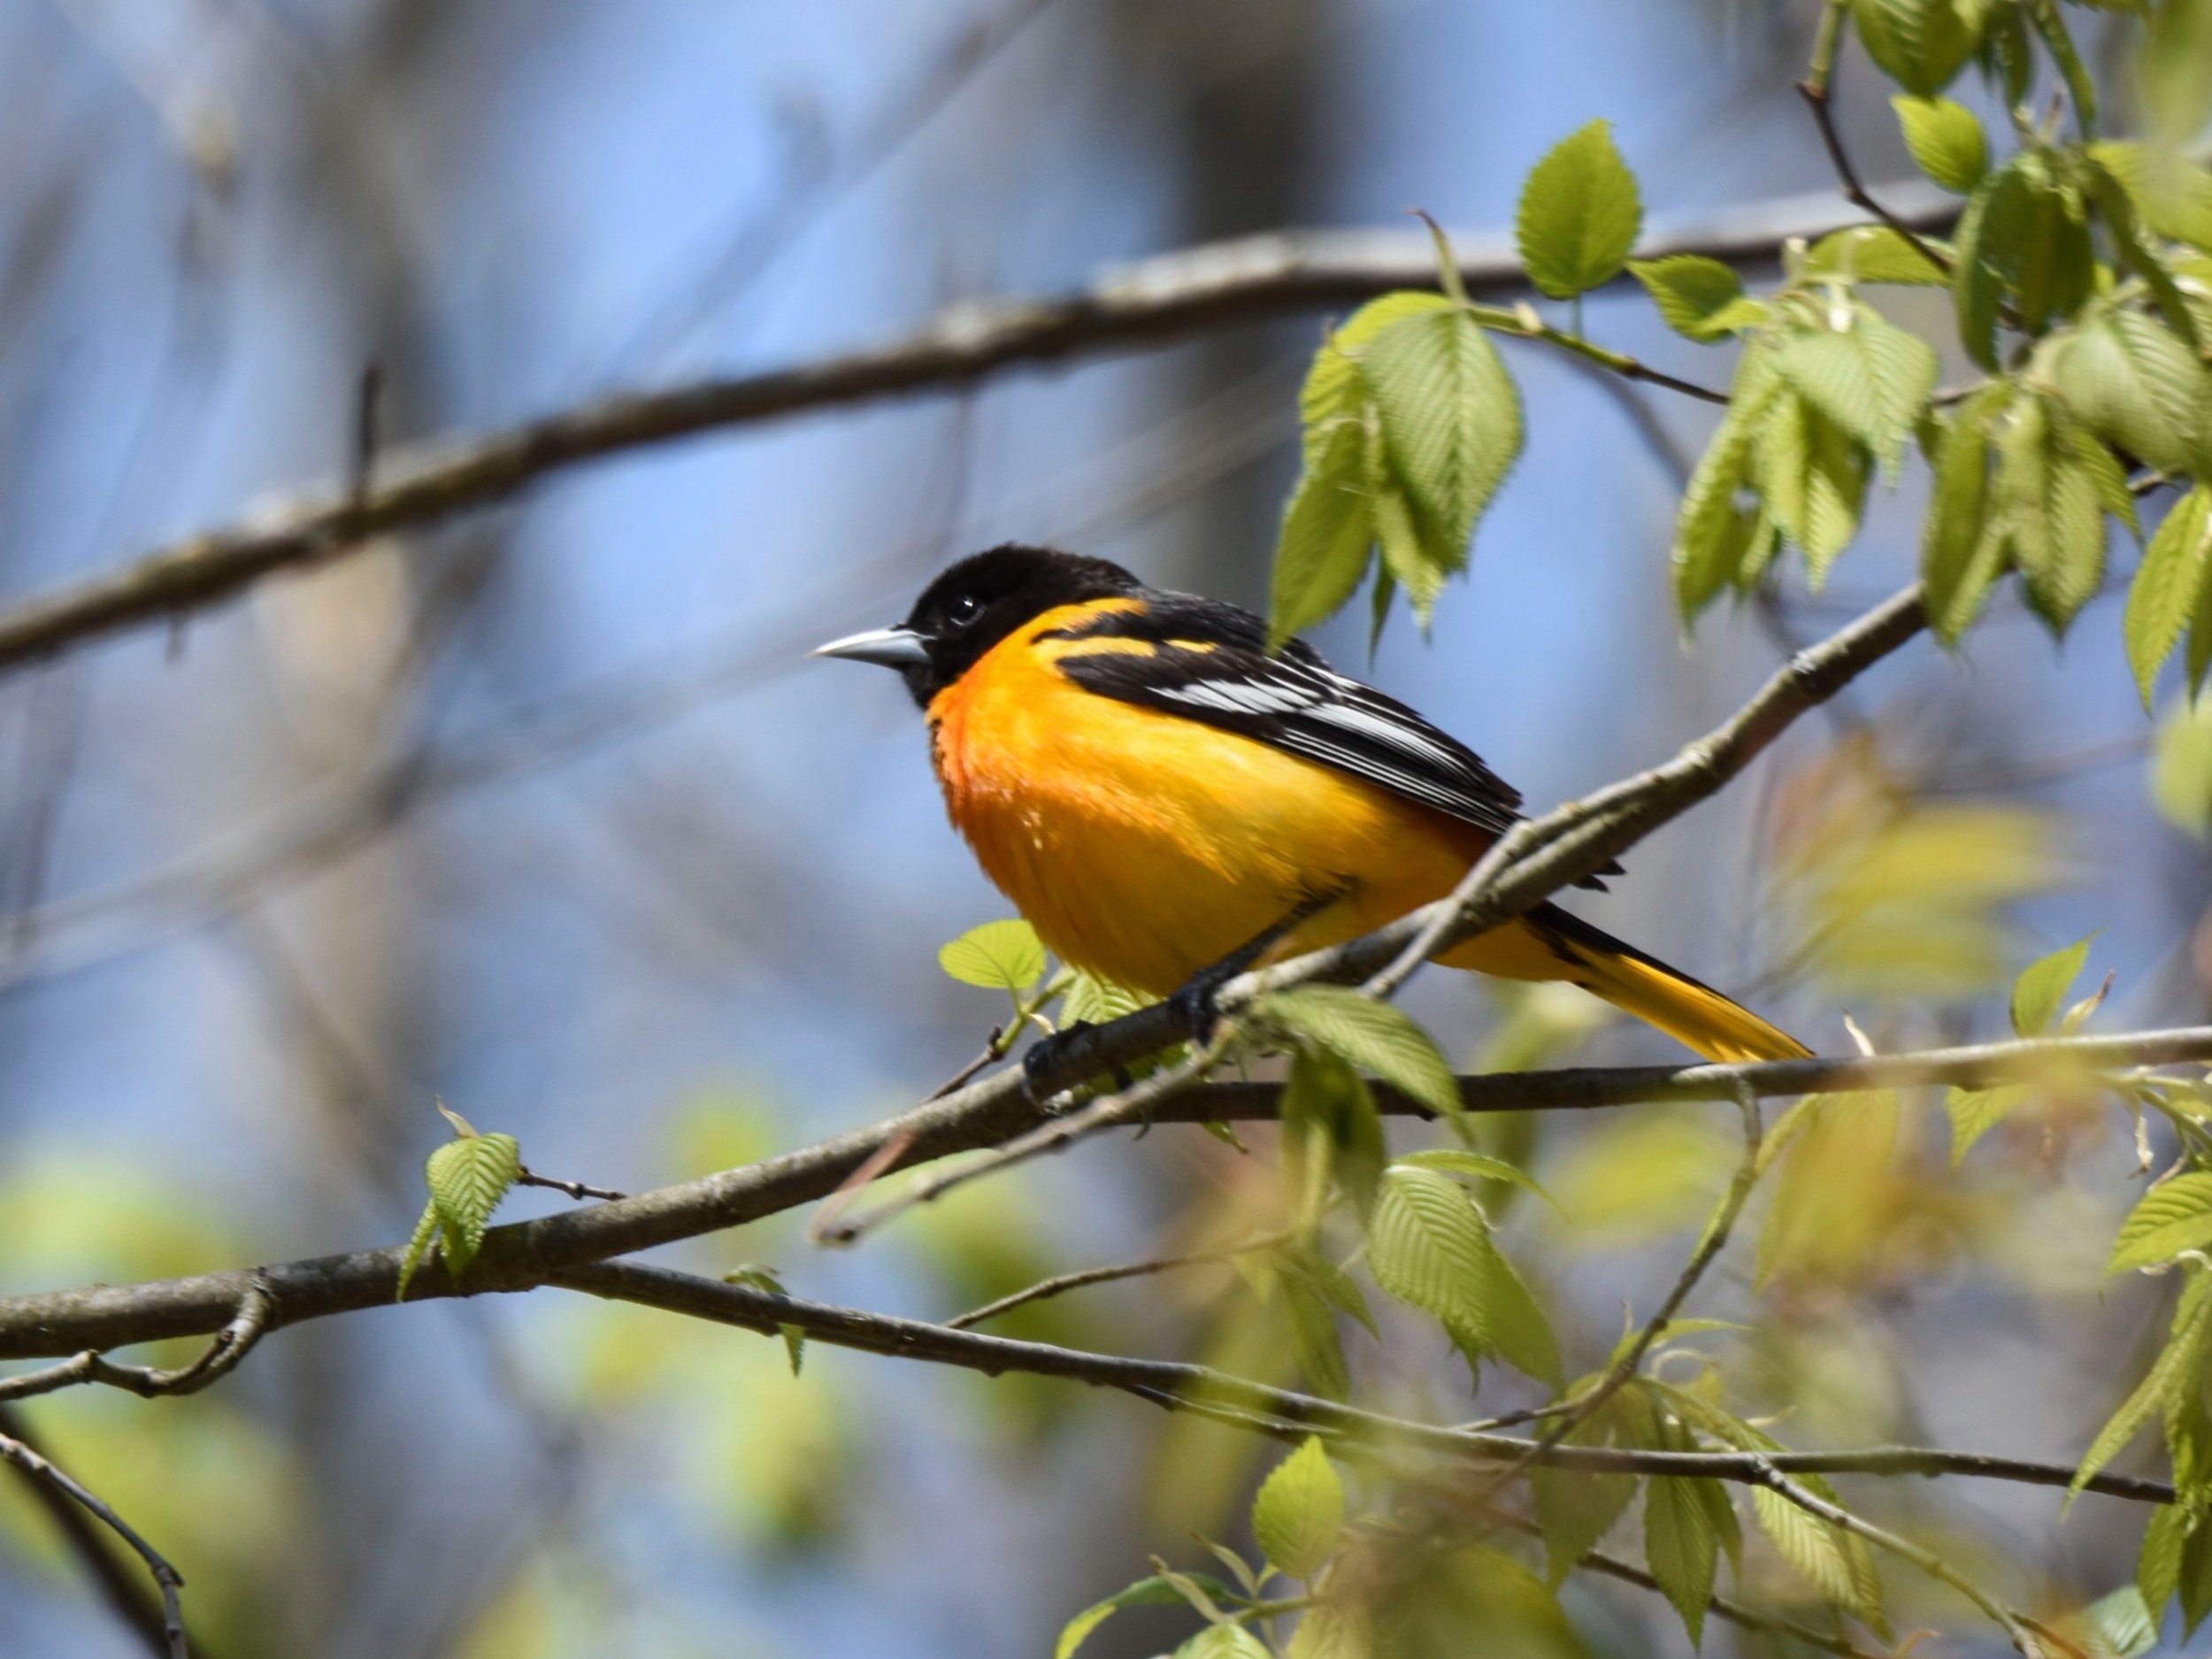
[1367,1032]
[1681,1547]
[1451,425]
[2129,380]
[1960,558]
[1004,955]
[1328,538]
[2169,586]
[2176,1372]
[2025,235]
[1575,1508]
[1156,1591]
[1429,1247]
[2040,990]
[1330,1128]
[467,1177]
[1299,1512]
[1812,478]
[2053,484]
[1872,379]
[1716,527]
[1873,253]
[1579,214]
[2172,193]
[1974,1112]
[2173,1217]
[1224,1641]
[1698,297]
[1946,140]
[1920,44]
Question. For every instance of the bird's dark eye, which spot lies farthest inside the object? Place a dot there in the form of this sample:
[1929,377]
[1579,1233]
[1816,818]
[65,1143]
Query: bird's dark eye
[963,609]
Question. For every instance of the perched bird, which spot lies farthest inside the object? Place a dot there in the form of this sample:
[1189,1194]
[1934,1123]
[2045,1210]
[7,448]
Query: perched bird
[1161,798]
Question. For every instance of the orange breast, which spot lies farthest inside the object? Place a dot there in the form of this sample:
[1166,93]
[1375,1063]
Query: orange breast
[1144,846]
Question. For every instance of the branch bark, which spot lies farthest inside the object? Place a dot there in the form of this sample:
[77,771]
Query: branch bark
[1148,304]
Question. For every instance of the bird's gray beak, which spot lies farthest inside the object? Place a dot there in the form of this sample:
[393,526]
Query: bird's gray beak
[893,648]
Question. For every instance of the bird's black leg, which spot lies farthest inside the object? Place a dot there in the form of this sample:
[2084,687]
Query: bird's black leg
[1194,1003]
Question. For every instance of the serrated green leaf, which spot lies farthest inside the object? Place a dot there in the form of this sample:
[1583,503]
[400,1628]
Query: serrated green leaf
[1873,381]
[1331,1131]
[1874,253]
[1946,140]
[2124,1623]
[1959,556]
[2172,192]
[1812,478]
[1369,1033]
[1224,1641]
[1579,214]
[2173,1217]
[2158,1563]
[1315,1343]
[1153,1592]
[1299,1512]
[1089,1000]
[1974,1112]
[2040,990]
[1453,1160]
[1681,1547]
[2169,586]
[1701,297]
[418,1247]
[2050,498]
[1451,426]
[1576,1509]
[1818,1550]
[1328,538]
[1333,392]
[2026,235]
[2179,1366]
[1920,44]
[1332,1633]
[1003,955]
[467,1177]
[1428,1246]
[2126,377]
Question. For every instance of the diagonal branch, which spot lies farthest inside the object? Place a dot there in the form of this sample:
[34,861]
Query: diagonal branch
[1145,305]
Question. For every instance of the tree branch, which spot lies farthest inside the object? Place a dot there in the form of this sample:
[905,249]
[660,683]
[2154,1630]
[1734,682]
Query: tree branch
[1170,1382]
[1148,305]
[521,1255]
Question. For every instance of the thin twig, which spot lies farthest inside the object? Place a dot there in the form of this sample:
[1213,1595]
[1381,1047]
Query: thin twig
[40,1469]
[1061,1284]
[1817,95]
[579,1190]
[219,1359]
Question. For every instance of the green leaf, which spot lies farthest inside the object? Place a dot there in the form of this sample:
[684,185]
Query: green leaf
[1874,253]
[1368,1033]
[1451,424]
[1090,1000]
[1334,391]
[1153,1592]
[1959,556]
[1820,1551]
[2169,586]
[999,956]
[418,1247]
[1428,1246]
[1716,527]
[1920,44]
[2179,1366]
[2124,1623]
[1873,381]
[1579,214]
[1681,1547]
[1331,1130]
[1299,1513]
[1697,296]
[467,1177]
[1946,140]
[1224,1641]
[2172,193]
[2173,1217]
[1332,1633]
[1328,538]
[2040,990]
[1315,1344]
[1453,1160]
[2181,769]
[1576,1509]
[2050,498]
[2158,1566]
[765,1278]
[2131,381]
[2025,236]
[1812,478]
[1974,1112]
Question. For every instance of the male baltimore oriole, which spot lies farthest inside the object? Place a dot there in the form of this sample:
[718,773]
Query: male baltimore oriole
[1158,795]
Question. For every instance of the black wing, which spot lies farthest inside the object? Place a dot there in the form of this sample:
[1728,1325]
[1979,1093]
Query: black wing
[1210,665]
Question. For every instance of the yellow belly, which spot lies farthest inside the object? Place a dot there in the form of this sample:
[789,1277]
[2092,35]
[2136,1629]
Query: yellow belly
[1144,847]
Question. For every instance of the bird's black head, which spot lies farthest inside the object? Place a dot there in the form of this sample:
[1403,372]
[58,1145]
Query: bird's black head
[973,605]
